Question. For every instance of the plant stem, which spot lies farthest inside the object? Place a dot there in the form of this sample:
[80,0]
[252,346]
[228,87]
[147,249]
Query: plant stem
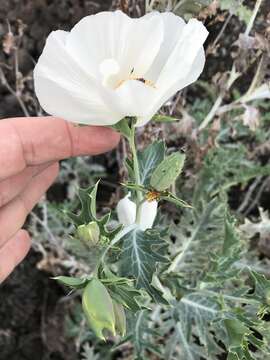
[233,74]
[253,16]
[136,172]
[117,238]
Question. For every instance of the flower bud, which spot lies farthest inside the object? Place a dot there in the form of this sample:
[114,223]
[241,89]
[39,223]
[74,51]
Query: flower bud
[120,318]
[98,308]
[126,212]
[89,233]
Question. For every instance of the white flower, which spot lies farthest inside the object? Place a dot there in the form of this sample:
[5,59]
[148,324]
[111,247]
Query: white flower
[110,66]
[126,211]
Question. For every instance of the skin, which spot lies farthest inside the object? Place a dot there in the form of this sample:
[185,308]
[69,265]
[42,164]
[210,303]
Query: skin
[30,150]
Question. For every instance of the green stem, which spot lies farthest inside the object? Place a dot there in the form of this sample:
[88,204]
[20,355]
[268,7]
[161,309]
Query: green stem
[136,172]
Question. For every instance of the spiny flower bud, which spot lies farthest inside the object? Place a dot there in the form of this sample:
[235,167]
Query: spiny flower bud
[120,318]
[98,308]
[89,233]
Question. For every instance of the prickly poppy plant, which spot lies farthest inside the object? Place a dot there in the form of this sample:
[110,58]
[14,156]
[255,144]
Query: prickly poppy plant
[111,70]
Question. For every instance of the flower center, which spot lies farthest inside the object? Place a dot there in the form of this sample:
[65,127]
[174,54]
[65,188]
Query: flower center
[112,77]
[109,69]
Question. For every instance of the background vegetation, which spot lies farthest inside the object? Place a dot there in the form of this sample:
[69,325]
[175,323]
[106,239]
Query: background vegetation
[222,123]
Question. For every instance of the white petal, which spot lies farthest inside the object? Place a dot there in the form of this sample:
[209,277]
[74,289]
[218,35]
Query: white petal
[183,67]
[135,98]
[65,90]
[173,27]
[126,211]
[181,60]
[145,41]
[148,214]
[71,105]
[133,43]
[77,72]
[94,39]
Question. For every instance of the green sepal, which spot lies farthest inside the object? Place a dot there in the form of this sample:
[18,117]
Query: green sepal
[123,127]
[132,186]
[164,118]
[170,197]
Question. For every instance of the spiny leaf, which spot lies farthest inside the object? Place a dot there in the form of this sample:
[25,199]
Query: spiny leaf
[199,231]
[88,212]
[149,159]
[121,289]
[198,311]
[236,8]
[221,265]
[126,295]
[88,206]
[237,334]
[225,167]
[262,288]
[140,257]
[231,238]
[141,335]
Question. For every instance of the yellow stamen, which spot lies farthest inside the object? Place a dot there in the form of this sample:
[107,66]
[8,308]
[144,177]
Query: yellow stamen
[152,195]
[144,81]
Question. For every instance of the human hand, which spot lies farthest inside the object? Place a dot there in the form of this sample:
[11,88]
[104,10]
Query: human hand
[30,149]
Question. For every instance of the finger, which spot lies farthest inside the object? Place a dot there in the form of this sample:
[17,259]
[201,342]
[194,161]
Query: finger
[13,252]
[14,185]
[37,140]
[13,215]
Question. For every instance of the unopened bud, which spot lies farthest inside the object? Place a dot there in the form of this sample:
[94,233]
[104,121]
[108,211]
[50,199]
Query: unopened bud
[98,308]
[89,233]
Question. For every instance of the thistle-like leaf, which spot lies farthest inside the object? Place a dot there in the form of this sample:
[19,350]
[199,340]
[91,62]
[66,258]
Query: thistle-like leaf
[142,334]
[141,253]
[149,159]
[122,289]
[262,289]
[88,212]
